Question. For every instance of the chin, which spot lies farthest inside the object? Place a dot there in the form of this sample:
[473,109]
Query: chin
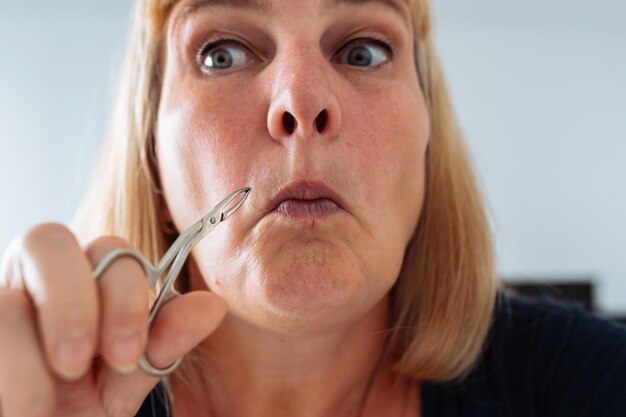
[306,287]
[306,290]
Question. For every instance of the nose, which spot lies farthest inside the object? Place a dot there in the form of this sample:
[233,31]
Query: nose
[303,102]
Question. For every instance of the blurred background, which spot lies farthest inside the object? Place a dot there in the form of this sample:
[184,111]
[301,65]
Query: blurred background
[539,88]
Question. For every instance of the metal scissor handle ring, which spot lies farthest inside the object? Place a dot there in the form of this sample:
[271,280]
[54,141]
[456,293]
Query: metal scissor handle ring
[120,253]
[144,363]
[151,370]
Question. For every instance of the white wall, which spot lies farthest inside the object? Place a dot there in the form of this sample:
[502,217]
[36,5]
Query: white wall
[56,66]
[540,90]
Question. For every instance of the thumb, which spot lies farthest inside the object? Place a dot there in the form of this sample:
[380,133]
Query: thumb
[183,323]
[180,325]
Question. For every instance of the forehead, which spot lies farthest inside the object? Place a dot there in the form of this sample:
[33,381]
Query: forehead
[159,12]
[187,7]
[267,5]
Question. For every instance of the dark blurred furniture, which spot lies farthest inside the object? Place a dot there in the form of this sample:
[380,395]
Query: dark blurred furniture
[579,291]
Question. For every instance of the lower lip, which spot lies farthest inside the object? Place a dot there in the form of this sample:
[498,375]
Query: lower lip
[307,209]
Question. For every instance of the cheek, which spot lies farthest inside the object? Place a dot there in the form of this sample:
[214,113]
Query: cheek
[389,148]
[201,153]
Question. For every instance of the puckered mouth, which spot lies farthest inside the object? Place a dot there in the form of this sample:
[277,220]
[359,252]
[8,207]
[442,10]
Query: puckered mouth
[305,190]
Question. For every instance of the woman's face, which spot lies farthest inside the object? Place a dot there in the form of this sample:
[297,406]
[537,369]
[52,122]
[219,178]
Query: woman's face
[316,106]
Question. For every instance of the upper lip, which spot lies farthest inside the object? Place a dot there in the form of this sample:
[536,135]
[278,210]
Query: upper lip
[305,190]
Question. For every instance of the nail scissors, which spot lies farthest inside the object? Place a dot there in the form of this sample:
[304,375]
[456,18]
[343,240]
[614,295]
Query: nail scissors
[172,262]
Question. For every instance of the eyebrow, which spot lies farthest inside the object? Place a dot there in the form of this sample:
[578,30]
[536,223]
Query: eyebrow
[264,6]
[192,6]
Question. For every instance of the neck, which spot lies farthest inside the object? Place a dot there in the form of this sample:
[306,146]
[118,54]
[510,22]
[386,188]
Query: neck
[243,371]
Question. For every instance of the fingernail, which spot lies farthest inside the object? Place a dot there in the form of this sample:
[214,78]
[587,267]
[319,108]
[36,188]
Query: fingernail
[126,351]
[72,356]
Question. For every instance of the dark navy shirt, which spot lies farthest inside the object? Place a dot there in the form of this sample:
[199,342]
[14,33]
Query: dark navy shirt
[541,359]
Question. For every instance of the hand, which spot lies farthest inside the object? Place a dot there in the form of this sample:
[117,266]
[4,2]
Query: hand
[69,344]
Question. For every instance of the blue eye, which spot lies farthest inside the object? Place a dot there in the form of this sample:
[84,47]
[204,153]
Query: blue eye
[224,55]
[365,52]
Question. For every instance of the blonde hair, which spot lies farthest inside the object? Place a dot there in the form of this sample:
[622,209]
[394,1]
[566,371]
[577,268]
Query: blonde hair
[443,301]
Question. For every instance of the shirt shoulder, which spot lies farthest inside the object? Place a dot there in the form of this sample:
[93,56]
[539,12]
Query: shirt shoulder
[541,358]
[155,404]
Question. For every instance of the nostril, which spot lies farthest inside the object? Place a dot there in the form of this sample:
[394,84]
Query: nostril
[321,120]
[289,122]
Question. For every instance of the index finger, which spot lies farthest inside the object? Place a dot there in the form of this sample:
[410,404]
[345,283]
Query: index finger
[58,279]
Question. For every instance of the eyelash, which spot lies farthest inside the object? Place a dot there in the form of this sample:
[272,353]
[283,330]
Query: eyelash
[373,39]
[213,43]
[205,47]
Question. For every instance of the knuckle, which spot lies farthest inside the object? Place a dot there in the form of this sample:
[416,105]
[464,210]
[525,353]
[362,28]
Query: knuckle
[99,246]
[46,236]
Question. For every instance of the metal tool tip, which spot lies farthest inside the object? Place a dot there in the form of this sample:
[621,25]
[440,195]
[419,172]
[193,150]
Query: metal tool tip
[242,195]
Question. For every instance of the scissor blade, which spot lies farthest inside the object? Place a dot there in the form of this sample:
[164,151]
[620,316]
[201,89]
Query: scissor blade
[232,203]
[198,230]
[224,209]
